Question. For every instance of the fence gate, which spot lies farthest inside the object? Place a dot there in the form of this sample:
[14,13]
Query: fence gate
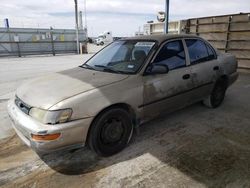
[25,41]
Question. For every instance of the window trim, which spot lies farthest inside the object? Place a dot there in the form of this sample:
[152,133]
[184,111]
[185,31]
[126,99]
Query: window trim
[212,49]
[206,45]
[159,49]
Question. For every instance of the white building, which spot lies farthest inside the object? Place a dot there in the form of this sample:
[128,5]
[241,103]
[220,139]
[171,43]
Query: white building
[153,28]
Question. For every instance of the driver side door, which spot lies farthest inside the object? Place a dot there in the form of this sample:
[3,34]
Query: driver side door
[167,92]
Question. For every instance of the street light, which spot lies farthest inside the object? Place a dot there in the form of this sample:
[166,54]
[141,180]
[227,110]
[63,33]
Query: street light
[77,35]
[166,17]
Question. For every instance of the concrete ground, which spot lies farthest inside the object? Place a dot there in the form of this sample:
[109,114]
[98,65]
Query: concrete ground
[193,147]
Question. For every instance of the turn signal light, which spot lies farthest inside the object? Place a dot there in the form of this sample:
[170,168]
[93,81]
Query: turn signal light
[47,137]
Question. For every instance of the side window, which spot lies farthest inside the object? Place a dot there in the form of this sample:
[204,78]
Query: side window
[197,50]
[211,54]
[172,54]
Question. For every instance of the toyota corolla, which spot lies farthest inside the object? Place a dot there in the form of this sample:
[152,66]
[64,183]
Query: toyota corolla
[129,82]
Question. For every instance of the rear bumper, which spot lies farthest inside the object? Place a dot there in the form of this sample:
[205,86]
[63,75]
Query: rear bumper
[73,134]
[232,78]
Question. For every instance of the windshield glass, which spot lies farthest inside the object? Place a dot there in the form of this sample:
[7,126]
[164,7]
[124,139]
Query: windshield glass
[121,56]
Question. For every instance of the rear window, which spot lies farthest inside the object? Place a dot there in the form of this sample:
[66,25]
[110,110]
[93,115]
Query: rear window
[142,46]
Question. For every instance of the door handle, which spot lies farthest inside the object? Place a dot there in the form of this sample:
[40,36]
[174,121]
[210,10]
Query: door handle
[216,68]
[186,76]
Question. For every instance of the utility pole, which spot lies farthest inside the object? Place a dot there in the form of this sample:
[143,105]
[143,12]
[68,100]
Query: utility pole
[80,21]
[77,34]
[85,17]
[166,16]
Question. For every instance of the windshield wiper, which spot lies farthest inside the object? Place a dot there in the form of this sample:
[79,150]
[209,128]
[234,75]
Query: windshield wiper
[109,69]
[86,66]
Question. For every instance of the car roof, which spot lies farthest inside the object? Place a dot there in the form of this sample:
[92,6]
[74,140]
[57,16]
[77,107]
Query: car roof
[161,38]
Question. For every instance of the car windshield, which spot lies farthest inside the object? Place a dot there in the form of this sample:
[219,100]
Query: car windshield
[121,57]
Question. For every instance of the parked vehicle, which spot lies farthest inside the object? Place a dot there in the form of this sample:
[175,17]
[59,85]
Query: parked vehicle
[104,38]
[127,83]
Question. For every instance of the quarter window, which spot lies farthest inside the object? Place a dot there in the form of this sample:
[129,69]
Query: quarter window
[211,54]
[172,54]
[199,51]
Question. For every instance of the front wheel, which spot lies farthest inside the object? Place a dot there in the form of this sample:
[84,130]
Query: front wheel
[217,96]
[110,132]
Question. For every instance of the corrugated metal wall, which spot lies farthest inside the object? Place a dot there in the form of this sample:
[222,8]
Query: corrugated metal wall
[27,41]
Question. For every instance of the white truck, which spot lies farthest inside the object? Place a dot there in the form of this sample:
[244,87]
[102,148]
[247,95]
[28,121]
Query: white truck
[104,38]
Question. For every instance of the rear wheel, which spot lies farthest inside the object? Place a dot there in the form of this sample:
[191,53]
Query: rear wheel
[217,96]
[110,132]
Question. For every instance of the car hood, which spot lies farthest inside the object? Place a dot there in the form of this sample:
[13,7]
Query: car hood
[46,91]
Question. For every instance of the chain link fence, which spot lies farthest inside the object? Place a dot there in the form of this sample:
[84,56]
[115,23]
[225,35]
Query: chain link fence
[28,41]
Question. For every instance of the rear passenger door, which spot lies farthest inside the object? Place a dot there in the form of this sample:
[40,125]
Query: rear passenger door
[204,67]
[164,93]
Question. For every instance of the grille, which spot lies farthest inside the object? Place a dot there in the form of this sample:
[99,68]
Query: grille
[22,106]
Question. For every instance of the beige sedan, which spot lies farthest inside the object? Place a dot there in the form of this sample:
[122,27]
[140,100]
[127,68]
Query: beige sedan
[127,83]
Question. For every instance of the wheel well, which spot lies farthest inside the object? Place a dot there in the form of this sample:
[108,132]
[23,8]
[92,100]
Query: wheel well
[124,106]
[223,80]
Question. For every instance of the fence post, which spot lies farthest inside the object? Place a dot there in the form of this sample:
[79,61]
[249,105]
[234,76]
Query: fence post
[197,27]
[228,33]
[52,41]
[187,26]
[9,34]
[18,49]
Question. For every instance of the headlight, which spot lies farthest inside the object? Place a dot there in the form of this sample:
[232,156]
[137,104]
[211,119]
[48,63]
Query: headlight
[51,117]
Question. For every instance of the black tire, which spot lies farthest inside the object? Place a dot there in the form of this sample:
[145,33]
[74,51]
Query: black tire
[110,132]
[102,43]
[217,96]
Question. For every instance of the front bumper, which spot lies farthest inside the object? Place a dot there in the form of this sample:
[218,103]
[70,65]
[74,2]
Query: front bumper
[73,134]
[232,78]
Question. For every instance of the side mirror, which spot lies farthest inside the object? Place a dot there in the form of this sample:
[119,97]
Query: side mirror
[157,69]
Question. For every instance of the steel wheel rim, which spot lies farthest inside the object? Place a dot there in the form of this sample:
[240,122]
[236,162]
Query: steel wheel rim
[112,131]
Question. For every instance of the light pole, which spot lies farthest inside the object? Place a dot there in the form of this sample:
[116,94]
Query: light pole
[77,34]
[85,16]
[166,17]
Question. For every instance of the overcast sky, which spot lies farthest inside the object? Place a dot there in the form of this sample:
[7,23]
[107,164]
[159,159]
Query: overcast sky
[122,17]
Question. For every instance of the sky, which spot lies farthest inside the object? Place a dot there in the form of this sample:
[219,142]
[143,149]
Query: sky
[122,17]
